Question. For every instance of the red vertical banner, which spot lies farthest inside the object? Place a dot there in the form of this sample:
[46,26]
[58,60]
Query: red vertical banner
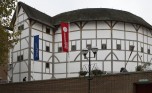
[65,36]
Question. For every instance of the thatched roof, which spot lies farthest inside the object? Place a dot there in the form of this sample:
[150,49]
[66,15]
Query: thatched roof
[88,14]
[34,14]
[91,14]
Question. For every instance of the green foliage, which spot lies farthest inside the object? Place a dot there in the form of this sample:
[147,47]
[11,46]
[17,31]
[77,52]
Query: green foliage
[139,68]
[97,72]
[143,67]
[83,73]
[6,39]
[6,9]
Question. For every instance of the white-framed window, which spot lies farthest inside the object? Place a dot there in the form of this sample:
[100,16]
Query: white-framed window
[118,46]
[59,49]
[104,46]
[21,27]
[148,51]
[142,49]
[47,30]
[131,48]
[20,58]
[73,48]
[89,46]
[47,49]
[47,65]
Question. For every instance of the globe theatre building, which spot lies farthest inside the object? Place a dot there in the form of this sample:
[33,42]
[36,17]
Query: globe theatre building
[121,37]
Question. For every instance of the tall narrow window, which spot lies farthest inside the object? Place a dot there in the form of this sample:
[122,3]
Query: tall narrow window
[20,58]
[21,27]
[88,46]
[47,65]
[104,46]
[48,30]
[142,50]
[148,51]
[118,47]
[59,49]
[73,47]
[47,49]
[131,48]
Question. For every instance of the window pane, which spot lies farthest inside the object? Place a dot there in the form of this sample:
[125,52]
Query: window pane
[118,47]
[18,58]
[73,47]
[47,65]
[131,48]
[88,46]
[21,57]
[142,50]
[21,27]
[148,51]
[47,48]
[59,49]
[48,30]
[104,46]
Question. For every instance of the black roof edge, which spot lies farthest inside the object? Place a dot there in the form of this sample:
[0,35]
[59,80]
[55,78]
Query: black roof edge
[23,5]
[107,20]
[35,19]
[41,22]
[64,17]
[71,21]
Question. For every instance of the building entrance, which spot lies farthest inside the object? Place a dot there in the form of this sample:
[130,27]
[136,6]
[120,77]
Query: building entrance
[145,87]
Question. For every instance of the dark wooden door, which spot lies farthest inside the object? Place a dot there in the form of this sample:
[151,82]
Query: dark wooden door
[143,88]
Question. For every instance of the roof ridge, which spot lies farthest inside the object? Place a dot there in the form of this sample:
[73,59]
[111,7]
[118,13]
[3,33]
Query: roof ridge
[83,14]
[33,8]
[90,14]
[36,15]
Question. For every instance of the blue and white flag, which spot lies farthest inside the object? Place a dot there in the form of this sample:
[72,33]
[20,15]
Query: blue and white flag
[36,47]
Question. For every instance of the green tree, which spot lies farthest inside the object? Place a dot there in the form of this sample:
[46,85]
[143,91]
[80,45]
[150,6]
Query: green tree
[7,8]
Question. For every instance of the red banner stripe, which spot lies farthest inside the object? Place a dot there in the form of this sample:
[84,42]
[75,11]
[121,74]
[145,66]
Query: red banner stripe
[65,36]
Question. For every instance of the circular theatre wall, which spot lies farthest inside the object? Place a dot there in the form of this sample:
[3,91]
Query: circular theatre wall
[121,37]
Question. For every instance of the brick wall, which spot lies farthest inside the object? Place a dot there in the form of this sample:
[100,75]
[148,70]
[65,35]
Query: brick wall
[116,83]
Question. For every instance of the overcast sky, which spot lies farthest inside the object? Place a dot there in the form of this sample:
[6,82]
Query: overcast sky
[142,8]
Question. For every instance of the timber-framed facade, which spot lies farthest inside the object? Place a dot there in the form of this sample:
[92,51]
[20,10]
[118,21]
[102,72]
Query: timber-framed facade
[112,33]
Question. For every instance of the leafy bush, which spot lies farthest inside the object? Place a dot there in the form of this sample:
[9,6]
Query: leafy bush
[97,72]
[139,68]
[82,73]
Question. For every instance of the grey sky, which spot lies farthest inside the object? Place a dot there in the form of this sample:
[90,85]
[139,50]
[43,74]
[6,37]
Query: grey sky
[140,8]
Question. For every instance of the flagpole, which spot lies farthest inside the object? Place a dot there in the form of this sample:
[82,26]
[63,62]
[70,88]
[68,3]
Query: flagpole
[36,51]
[33,70]
[69,49]
[66,64]
[68,55]
[65,43]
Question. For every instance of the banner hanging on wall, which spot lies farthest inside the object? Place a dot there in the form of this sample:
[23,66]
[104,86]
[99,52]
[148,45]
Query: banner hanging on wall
[36,47]
[65,36]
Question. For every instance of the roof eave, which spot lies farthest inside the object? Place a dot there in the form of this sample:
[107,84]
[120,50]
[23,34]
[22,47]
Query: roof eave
[41,22]
[149,27]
